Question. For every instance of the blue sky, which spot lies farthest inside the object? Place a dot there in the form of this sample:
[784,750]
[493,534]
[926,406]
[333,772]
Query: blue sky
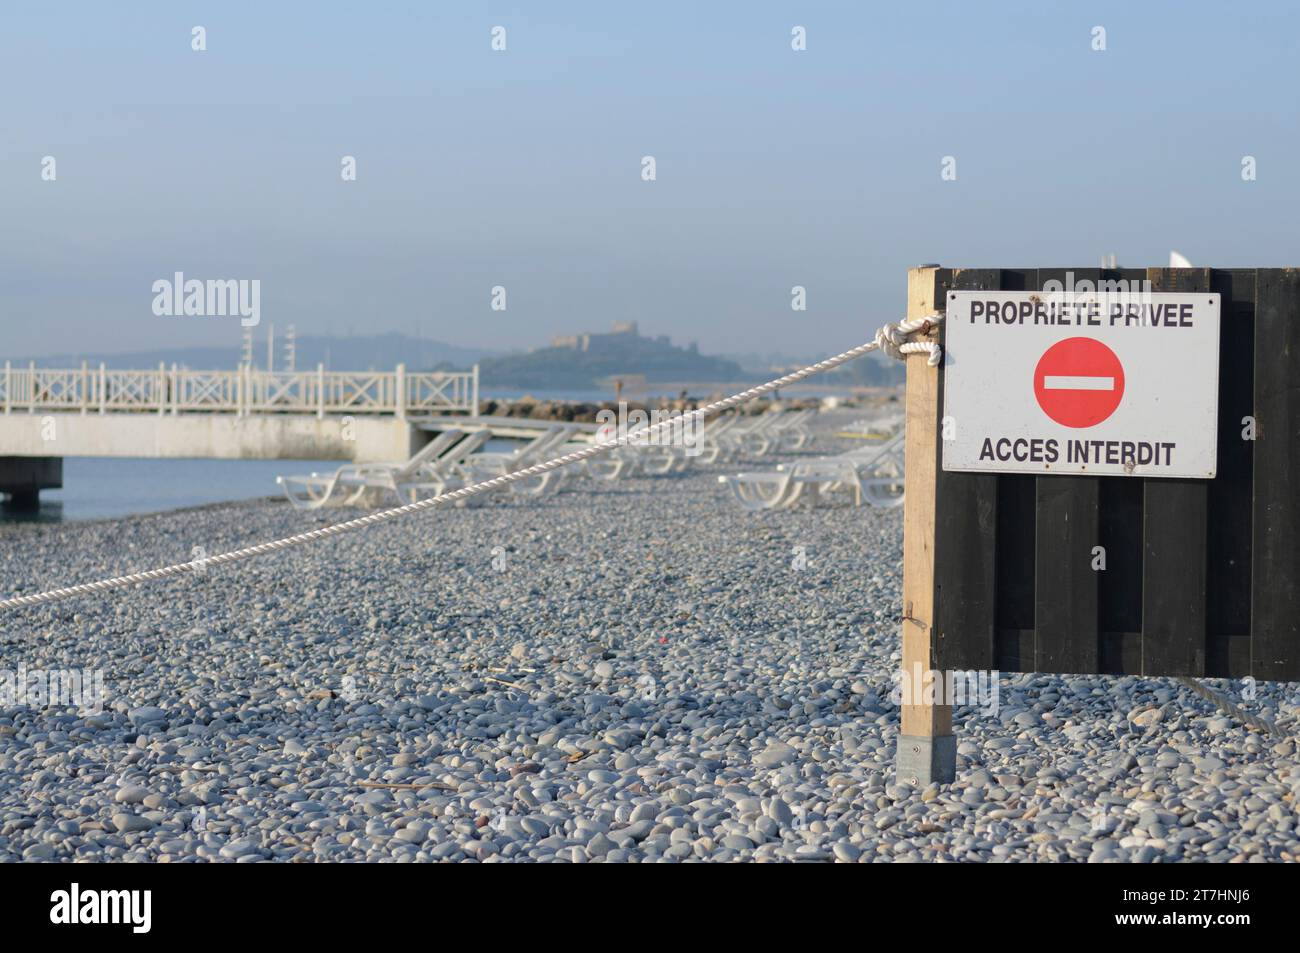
[479,168]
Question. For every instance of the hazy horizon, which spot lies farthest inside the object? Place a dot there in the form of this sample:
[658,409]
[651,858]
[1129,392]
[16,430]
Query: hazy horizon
[522,168]
[308,347]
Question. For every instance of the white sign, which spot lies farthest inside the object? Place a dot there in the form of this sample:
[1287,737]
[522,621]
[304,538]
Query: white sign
[1108,383]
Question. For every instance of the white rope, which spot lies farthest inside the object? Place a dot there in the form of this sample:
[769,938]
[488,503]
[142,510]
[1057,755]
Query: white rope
[1225,705]
[892,339]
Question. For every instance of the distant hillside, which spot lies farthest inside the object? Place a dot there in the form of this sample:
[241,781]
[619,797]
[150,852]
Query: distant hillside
[583,361]
[869,371]
[872,370]
[363,352]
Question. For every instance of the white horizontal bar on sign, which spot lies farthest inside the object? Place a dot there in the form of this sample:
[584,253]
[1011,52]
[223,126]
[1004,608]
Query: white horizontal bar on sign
[1078,383]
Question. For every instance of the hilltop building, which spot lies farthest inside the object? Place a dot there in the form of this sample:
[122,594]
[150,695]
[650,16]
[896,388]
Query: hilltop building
[586,359]
[597,342]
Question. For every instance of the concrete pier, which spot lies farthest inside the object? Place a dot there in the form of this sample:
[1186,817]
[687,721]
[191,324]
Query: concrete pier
[212,436]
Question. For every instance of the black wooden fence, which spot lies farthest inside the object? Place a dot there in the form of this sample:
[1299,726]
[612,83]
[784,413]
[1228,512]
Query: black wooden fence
[1200,575]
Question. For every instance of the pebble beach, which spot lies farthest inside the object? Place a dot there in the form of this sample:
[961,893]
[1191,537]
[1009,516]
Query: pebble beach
[627,671]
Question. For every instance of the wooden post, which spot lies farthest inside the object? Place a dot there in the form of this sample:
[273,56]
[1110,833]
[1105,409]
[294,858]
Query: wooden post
[103,387]
[927,749]
[320,391]
[9,387]
[85,386]
[162,388]
[399,397]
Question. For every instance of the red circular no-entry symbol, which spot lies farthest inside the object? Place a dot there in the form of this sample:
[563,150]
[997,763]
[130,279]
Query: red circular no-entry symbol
[1079,382]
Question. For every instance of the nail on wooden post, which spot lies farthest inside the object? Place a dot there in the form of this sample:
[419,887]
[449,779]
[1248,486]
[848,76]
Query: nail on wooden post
[927,750]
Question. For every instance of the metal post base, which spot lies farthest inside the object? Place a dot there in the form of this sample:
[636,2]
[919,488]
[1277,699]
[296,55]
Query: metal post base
[924,759]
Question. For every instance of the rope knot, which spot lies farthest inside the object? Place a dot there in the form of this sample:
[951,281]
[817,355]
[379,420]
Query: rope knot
[891,339]
[894,339]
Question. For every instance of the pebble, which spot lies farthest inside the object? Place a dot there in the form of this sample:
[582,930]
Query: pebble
[846,852]
[675,692]
[1147,717]
[145,715]
[126,823]
[775,754]
[779,811]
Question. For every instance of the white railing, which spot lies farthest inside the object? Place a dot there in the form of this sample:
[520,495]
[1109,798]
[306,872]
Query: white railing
[245,391]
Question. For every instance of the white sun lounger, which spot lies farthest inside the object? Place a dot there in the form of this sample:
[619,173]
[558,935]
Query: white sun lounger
[485,466]
[709,444]
[877,428]
[659,458]
[873,475]
[785,431]
[439,476]
[746,432]
[353,483]
[793,432]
